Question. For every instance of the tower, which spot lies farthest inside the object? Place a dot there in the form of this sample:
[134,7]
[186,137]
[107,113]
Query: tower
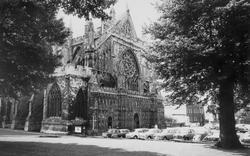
[89,45]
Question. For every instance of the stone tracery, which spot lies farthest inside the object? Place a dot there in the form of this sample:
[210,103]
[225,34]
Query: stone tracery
[115,88]
[129,69]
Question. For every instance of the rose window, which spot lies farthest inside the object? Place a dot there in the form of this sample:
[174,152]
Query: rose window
[128,65]
[129,69]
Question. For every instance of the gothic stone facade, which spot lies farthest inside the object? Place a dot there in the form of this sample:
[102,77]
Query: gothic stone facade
[105,81]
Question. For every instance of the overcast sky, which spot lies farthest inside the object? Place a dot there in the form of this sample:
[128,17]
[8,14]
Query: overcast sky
[143,12]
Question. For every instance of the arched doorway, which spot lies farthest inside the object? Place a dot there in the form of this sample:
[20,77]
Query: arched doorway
[136,121]
[80,107]
[110,122]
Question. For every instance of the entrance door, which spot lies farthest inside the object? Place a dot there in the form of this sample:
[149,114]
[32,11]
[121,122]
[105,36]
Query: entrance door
[110,122]
[136,121]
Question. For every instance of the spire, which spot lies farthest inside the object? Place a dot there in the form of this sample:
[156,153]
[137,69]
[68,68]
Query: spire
[112,13]
[70,23]
[127,8]
[70,29]
[89,33]
[69,42]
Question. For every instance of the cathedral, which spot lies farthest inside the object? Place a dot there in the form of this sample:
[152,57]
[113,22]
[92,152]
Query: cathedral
[104,82]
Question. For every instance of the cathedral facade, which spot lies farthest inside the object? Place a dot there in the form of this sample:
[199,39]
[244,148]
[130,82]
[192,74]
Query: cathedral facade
[105,81]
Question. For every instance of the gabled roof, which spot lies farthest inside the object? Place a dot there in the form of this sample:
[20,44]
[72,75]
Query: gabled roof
[124,29]
[124,26]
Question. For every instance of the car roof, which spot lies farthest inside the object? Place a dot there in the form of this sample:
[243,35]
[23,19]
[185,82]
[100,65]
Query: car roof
[141,128]
[124,129]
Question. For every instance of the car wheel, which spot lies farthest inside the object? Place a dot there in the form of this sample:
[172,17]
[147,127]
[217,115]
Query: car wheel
[135,137]
[165,138]
[149,137]
[187,138]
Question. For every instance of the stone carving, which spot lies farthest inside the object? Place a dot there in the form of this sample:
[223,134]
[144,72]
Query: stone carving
[113,79]
[128,65]
[128,69]
[75,84]
[61,83]
[126,29]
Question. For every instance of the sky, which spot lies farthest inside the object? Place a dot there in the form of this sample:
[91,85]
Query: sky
[143,12]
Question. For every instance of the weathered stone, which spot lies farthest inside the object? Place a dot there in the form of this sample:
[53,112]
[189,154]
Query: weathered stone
[107,82]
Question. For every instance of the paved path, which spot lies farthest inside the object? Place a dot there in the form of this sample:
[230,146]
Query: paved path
[69,145]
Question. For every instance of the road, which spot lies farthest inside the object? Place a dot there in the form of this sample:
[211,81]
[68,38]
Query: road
[19,143]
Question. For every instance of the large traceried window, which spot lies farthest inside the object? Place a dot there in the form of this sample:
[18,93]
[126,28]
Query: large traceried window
[54,101]
[129,68]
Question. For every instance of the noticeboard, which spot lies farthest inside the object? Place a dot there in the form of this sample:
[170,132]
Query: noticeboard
[78,129]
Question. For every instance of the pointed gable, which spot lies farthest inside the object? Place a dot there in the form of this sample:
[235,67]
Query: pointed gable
[124,27]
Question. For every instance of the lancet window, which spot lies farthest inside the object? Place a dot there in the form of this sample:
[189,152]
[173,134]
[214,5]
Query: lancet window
[54,101]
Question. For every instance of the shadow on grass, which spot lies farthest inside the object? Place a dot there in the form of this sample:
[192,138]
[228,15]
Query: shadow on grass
[7,132]
[235,152]
[55,149]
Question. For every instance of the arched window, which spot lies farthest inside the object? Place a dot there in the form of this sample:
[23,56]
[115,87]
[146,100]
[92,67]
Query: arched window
[80,108]
[75,52]
[109,122]
[54,101]
[136,121]
[130,69]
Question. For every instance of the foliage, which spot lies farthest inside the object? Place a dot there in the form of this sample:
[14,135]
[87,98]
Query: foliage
[82,8]
[199,44]
[28,29]
[202,53]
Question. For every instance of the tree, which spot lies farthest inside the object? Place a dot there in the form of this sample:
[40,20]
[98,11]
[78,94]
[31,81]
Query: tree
[201,48]
[28,29]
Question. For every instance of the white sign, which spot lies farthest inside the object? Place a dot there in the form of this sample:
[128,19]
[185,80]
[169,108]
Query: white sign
[78,129]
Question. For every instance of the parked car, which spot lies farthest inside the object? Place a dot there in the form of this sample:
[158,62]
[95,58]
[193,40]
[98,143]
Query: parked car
[245,138]
[185,133]
[200,133]
[166,134]
[149,134]
[110,133]
[211,126]
[135,133]
[214,136]
[122,133]
[242,127]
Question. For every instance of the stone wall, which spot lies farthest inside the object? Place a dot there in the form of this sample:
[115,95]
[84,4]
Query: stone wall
[121,107]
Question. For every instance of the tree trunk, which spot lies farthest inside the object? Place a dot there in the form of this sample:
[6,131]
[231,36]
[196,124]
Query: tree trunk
[228,137]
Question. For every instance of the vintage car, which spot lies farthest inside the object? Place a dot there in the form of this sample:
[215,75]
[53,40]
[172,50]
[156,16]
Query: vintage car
[134,134]
[246,138]
[200,133]
[110,133]
[166,134]
[149,134]
[185,133]
[212,126]
[214,136]
[122,133]
[242,127]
